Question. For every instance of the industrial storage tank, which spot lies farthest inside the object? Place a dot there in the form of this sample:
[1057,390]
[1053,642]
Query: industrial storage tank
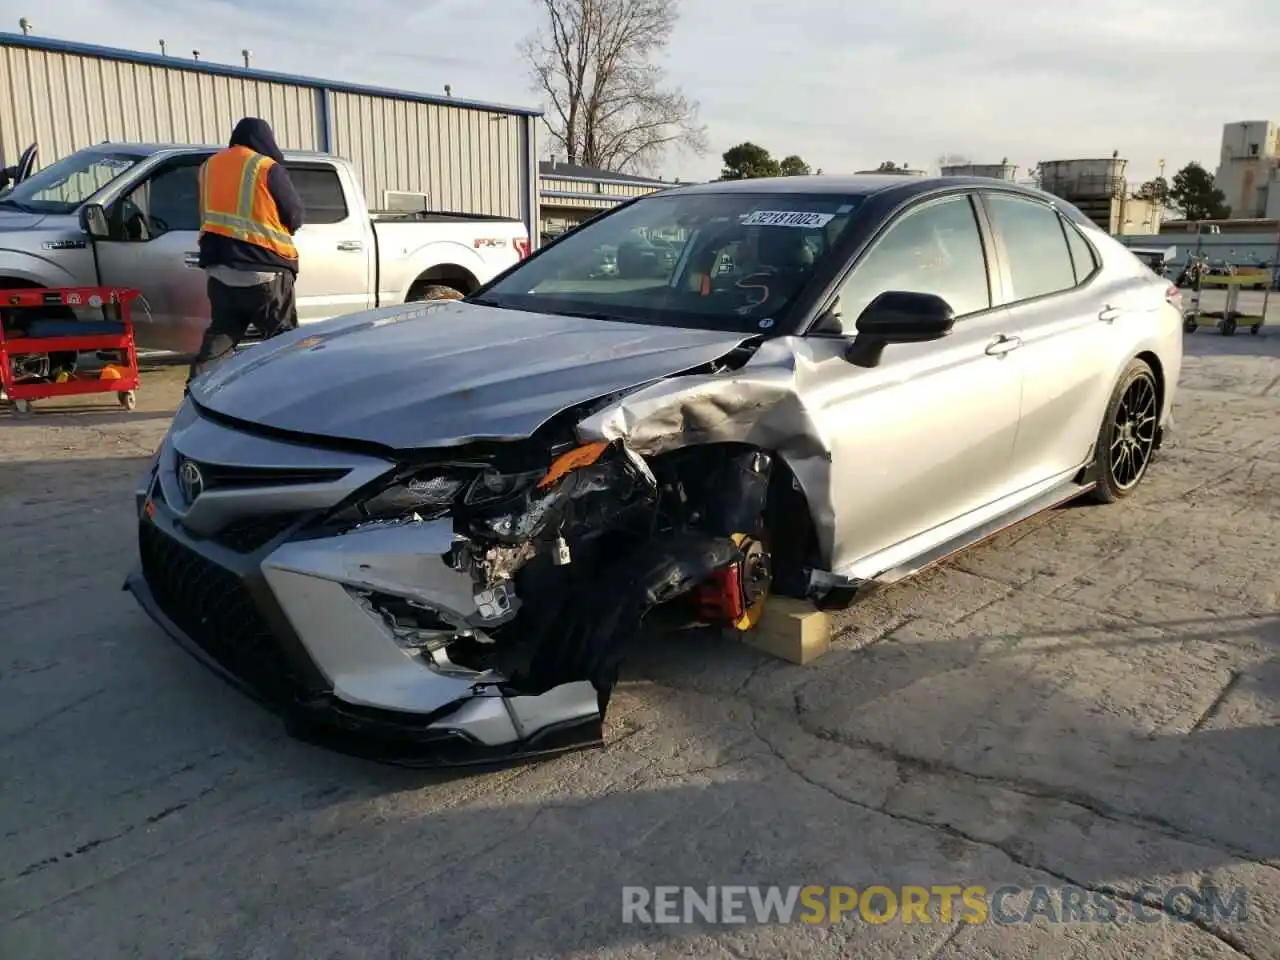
[995,171]
[1084,179]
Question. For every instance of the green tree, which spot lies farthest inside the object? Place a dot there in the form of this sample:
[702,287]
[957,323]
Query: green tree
[747,161]
[793,166]
[1157,190]
[1194,194]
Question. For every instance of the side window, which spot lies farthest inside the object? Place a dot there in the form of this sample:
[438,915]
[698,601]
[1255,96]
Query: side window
[1034,244]
[933,249]
[321,194]
[1082,255]
[166,201]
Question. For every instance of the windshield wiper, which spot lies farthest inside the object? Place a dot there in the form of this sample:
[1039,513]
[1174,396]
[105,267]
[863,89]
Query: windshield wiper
[5,201]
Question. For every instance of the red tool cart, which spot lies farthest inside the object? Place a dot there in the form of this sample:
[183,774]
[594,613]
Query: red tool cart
[27,347]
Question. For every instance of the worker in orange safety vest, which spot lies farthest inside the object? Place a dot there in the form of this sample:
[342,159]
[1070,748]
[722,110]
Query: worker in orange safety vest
[249,212]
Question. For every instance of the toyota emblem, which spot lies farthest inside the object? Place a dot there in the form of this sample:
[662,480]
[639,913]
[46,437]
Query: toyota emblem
[191,480]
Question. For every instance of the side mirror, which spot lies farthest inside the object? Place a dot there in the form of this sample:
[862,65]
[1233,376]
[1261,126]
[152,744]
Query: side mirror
[93,221]
[898,316]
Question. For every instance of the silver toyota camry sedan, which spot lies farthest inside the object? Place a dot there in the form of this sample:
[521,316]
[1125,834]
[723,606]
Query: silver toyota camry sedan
[431,532]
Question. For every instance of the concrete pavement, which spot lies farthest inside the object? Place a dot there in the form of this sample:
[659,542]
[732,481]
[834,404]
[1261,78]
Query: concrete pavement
[1093,699]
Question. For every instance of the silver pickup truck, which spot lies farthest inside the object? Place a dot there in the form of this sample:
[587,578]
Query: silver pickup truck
[127,215]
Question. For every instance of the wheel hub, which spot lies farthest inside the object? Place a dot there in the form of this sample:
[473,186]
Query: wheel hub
[1134,433]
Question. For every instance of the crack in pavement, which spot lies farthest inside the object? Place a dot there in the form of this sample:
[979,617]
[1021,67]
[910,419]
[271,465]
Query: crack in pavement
[1216,707]
[1007,849]
[1029,788]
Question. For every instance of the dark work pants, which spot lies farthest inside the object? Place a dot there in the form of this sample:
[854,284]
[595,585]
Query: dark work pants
[271,308]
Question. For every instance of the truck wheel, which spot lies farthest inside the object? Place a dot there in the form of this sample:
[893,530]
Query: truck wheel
[435,291]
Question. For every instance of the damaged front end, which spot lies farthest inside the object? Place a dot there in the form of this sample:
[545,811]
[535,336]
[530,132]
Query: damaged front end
[523,617]
[565,563]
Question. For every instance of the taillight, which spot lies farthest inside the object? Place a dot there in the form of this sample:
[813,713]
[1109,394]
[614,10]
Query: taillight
[522,247]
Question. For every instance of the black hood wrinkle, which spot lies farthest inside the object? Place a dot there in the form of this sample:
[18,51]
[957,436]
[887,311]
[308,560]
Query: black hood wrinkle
[256,134]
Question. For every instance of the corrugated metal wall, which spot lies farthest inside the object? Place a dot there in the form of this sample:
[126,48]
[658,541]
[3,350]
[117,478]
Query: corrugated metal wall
[582,194]
[65,102]
[463,160]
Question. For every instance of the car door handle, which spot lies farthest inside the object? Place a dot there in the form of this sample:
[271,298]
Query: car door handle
[191,259]
[1002,345]
[350,246]
[1109,314]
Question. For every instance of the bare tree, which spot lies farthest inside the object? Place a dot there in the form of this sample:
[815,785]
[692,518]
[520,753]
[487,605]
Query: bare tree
[607,103]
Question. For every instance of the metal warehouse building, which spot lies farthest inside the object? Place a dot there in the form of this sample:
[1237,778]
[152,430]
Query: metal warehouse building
[572,194]
[462,156]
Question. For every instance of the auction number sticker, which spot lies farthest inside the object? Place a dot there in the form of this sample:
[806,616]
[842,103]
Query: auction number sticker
[787,218]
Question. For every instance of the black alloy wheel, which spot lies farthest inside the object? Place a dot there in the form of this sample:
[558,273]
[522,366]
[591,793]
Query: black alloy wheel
[1127,438]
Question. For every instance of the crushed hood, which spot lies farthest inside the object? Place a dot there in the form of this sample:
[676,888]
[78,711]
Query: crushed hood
[444,373]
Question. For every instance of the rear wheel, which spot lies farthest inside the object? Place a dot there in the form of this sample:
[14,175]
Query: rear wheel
[1127,437]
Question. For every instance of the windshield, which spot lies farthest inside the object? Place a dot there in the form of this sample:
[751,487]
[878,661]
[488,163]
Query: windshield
[61,187]
[727,261]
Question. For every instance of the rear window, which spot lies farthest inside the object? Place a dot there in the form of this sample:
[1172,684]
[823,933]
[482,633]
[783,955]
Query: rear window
[321,193]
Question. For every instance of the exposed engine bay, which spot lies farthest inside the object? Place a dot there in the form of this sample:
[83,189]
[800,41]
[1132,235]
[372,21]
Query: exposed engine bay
[566,563]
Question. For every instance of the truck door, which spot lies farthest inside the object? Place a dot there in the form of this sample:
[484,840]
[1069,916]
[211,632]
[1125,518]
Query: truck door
[335,246]
[152,245]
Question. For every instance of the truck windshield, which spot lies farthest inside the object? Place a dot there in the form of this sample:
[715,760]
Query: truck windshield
[61,187]
[724,261]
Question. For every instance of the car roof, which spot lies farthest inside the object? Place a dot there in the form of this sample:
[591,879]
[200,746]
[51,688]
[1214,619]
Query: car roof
[862,184]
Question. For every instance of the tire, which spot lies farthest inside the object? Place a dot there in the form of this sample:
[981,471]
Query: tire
[1255,329]
[1228,327]
[1122,456]
[435,291]
[22,407]
[1190,326]
[128,399]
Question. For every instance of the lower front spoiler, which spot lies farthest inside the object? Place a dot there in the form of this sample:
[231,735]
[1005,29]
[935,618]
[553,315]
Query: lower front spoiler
[409,740]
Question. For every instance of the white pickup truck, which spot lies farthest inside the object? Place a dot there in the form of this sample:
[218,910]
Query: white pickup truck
[127,215]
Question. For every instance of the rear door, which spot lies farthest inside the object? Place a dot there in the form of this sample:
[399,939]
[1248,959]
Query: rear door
[1062,313]
[925,437]
[335,245]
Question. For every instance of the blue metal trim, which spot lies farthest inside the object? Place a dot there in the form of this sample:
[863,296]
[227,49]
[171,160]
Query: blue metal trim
[325,104]
[637,182]
[565,195]
[226,70]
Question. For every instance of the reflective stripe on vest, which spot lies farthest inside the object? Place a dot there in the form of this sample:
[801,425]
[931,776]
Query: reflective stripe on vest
[241,223]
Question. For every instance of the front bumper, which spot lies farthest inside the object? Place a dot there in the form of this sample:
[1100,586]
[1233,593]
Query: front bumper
[284,624]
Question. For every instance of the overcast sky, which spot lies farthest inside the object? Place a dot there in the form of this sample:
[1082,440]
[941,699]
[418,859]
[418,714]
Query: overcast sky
[844,83]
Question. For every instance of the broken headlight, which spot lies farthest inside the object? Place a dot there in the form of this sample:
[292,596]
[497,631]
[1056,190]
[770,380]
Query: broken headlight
[430,494]
[491,486]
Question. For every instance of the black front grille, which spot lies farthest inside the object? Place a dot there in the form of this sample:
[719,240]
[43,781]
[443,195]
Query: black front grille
[253,533]
[212,606]
[217,476]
